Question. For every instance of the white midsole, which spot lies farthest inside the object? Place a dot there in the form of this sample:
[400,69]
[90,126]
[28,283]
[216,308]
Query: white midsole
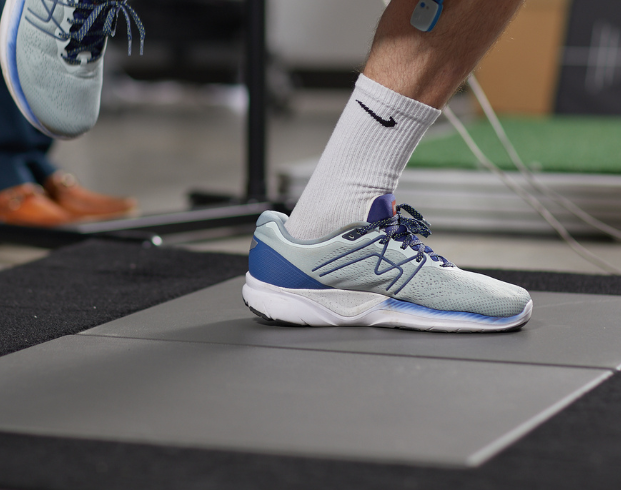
[288,305]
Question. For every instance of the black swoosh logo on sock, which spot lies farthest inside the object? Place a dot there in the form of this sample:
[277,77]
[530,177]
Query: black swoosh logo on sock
[387,123]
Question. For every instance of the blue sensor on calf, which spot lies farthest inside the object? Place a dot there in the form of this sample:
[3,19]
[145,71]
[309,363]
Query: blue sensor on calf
[426,14]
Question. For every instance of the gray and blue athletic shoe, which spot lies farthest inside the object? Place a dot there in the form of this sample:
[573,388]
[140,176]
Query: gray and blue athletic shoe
[52,52]
[375,273]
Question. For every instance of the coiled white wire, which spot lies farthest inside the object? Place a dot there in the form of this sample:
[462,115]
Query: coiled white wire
[530,177]
[523,193]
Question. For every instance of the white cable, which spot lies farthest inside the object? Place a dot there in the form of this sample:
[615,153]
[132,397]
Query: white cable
[526,196]
[530,177]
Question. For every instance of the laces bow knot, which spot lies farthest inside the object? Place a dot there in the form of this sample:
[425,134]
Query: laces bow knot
[91,28]
[403,229]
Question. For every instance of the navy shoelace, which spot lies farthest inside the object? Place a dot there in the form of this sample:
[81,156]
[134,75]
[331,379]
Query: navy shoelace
[93,21]
[404,230]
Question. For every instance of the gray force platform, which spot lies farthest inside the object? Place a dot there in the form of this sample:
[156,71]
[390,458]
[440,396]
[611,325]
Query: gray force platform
[202,371]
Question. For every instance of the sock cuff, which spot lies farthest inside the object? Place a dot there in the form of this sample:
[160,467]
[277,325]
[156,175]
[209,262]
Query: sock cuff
[409,108]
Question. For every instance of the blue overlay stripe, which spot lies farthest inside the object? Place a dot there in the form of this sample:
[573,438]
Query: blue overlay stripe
[406,307]
[267,265]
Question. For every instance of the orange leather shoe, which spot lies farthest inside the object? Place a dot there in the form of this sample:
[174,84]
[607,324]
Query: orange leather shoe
[27,205]
[64,190]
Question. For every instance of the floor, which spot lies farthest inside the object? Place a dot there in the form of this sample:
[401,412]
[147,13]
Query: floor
[202,371]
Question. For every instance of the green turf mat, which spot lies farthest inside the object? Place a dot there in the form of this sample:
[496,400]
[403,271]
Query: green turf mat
[556,144]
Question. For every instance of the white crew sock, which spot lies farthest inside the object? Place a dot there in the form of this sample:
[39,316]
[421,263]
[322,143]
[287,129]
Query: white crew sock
[367,152]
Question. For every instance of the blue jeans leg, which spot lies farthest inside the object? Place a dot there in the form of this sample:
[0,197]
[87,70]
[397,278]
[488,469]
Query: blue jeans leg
[13,170]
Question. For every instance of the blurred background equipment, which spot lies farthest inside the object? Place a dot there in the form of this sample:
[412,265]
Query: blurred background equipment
[197,41]
[177,116]
[591,62]
[558,56]
[520,74]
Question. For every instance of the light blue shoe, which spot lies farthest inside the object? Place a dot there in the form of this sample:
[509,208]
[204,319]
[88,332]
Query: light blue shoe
[375,273]
[51,53]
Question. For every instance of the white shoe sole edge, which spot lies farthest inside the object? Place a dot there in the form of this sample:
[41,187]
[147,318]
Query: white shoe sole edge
[286,305]
[11,16]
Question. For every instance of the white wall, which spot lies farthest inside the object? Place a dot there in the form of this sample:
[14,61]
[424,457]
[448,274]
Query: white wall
[322,33]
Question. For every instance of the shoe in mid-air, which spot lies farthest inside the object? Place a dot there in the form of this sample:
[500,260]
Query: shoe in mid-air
[52,52]
[374,273]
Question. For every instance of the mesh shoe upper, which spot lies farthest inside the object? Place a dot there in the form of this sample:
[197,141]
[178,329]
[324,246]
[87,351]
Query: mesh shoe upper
[372,263]
[59,58]
[64,97]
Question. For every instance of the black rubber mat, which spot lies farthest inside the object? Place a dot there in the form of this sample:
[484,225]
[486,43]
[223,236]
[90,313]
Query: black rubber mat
[558,282]
[94,282]
[85,285]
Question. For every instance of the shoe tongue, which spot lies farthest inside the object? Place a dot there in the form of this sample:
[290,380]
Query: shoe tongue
[383,207]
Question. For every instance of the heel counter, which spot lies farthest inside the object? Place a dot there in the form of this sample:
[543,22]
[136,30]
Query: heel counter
[267,265]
